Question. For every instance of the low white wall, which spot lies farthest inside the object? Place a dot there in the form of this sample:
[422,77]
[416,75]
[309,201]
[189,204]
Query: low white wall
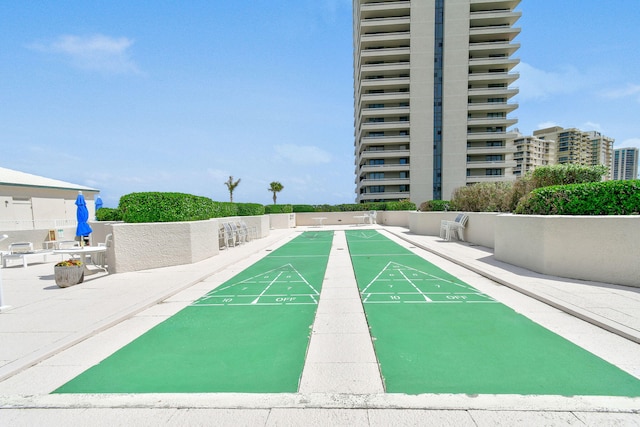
[333,218]
[479,230]
[598,248]
[37,237]
[282,221]
[260,222]
[163,244]
[394,218]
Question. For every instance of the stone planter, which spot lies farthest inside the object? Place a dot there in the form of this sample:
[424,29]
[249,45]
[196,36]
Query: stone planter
[68,276]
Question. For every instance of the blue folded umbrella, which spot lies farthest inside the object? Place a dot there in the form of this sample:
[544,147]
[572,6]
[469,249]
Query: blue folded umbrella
[82,215]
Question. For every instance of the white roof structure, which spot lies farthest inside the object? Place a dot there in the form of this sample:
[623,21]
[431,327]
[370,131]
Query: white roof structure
[17,178]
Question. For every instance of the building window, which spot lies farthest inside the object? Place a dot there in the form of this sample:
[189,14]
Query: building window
[404,188]
[375,162]
[376,189]
[376,175]
[493,172]
[403,161]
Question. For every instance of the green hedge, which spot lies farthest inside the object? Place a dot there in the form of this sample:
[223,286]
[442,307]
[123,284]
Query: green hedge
[174,207]
[566,174]
[250,209]
[277,209]
[594,198]
[224,209]
[165,207]
[303,208]
[402,205]
[108,214]
[435,206]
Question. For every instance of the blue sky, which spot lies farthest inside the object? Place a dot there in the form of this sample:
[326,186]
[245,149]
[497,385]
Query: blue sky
[177,96]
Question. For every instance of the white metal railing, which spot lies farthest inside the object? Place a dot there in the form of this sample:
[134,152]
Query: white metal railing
[39,224]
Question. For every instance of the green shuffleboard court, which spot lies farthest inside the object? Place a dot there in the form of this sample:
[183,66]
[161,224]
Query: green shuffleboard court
[250,334]
[435,334]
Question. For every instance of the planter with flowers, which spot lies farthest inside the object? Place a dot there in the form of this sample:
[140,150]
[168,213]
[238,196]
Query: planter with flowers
[68,273]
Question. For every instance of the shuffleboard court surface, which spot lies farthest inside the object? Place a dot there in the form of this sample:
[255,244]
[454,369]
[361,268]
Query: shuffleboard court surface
[250,334]
[433,333]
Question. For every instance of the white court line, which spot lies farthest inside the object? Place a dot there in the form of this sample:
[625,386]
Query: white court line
[426,298]
[265,289]
[260,303]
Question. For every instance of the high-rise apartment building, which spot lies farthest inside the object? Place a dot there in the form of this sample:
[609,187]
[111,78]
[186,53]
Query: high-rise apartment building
[532,152]
[625,163]
[431,96]
[573,146]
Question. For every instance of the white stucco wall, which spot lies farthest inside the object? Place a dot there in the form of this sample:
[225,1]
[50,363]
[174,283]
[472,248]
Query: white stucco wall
[154,245]
[597,248]
[282,221]
[479,230]
[394,218]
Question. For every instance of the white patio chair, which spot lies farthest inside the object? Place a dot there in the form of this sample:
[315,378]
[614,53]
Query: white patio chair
[242,226]
[372,217]
[228,235]
[241,236]
[455,228]
[101,257]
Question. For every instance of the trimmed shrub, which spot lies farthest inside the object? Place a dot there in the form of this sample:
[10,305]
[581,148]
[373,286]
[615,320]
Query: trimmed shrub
[353,207]
[402,205]
[435,205]
[483,197]
[108,214]
[164,207]
[327,208]
[546,176]
[593,198]
[224,209]
[303,208]
[250,209]
[277,209]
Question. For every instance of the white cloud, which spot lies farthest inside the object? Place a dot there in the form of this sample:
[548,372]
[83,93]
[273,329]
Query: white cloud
[540,84]
[591,126]
[96,52]
[628,143]
[302,155]
[629,91]
[545,125]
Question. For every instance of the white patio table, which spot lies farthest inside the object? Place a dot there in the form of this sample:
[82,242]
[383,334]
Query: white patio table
[85,253]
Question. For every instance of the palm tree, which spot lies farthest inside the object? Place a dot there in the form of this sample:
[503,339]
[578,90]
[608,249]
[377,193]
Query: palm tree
[231,186]
[275,187]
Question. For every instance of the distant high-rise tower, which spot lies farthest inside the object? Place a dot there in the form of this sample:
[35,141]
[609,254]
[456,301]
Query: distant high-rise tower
[625,163]
[431,96]
[574,146]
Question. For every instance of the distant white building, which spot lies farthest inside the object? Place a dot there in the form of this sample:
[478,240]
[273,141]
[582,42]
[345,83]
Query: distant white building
[532,152]
[574,146]
[30,202]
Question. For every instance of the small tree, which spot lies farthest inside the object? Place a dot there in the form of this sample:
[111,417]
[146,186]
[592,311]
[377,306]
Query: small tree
[275,187]
[231,186]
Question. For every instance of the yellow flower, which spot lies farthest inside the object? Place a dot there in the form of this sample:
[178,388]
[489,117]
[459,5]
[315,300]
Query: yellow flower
[69,263]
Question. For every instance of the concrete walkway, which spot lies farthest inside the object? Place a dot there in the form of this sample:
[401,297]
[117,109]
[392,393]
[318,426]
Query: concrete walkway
[50,335]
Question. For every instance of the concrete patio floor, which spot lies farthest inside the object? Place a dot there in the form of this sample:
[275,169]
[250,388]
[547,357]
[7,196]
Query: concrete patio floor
[49,335]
